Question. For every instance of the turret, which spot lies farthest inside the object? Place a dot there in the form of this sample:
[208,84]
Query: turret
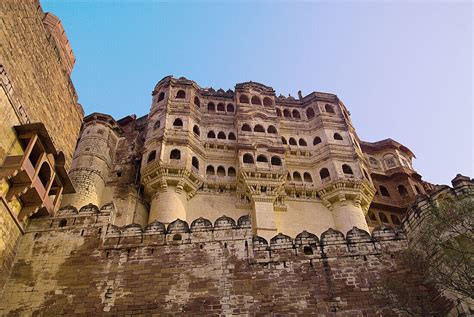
[167,165]
[92,160]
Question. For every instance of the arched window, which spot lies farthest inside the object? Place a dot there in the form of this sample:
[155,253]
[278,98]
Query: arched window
[307,177]
[220,106]
[316,140]
[390,161]
[230,107]
[337,136]
[296,114]
[329,108]
[383,217]
[373,161]
[259,128]
[161,96]
[248,158]
[211,107]
[267,102]
[324,173]
[276,160]
[297,177]
[283,140]
[310,113]
[211,135]
[271,129]
[197,102]
[196,130]
[221,171]
[302,142]
[231,172]
[262,158]
[246,127]
[210,170]
[180,94]
[44,174]
[292,141]
[175,154]
[307,250]
[395,220]
[372,216]
[347,169]
[279,112]
[402,190]
[256,101]
[231,136]
[221,135]
[157,125]
[384,191]
[178,122]
[151,156]
[243,99]
[195,162]
[286,113]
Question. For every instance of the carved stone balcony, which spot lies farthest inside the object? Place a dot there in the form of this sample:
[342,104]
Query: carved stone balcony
[34,181]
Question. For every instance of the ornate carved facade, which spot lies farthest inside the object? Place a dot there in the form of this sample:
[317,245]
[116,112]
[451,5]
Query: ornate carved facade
[217,202]
[291,164]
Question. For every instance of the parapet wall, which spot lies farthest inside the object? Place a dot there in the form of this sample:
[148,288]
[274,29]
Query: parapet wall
[79,263]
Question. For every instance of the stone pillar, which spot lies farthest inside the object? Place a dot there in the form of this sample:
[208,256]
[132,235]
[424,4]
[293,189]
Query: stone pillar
[264,218]
[349,201]
[347,215]
[168,205]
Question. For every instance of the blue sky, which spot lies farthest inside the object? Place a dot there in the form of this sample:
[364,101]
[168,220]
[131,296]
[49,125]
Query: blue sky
[403,69]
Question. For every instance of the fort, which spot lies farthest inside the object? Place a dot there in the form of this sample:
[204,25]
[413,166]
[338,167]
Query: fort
[215,202]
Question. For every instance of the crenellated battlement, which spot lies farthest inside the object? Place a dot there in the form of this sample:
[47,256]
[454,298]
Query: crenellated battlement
[96,223]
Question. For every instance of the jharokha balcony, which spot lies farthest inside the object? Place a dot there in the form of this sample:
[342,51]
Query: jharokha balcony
[33,182]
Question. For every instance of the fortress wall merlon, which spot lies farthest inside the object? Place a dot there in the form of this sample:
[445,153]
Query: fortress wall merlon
[90,221]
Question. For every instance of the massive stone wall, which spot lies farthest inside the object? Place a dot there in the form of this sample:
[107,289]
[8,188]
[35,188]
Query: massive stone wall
[41,90]
[34,87]
[78,263]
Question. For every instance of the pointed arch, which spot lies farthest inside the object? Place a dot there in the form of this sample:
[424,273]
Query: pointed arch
[211,135]
[175,154]
[181,94]
[259,128]
[256,101]
[243,99]
[272,129]
[324,173]
[220,107]
[221,135]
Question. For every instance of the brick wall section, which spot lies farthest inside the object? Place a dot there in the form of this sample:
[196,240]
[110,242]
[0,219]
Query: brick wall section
[9,235]
[89,267]
[40,81]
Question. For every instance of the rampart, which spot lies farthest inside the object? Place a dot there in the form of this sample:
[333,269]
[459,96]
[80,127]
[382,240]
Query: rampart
[77,262]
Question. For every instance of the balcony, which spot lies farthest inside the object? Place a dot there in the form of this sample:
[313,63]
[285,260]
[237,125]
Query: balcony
[37,178]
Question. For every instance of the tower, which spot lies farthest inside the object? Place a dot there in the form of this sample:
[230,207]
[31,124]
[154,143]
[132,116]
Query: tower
[92,160]
[170,169]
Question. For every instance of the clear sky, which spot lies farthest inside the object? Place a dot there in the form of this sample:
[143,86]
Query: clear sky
[403,69]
